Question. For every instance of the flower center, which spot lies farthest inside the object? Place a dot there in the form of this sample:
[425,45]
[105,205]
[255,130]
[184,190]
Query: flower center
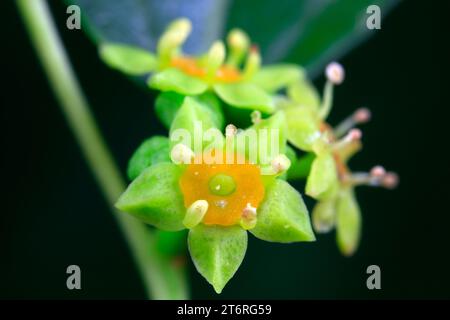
[191,67]
[228,188]
[222,185]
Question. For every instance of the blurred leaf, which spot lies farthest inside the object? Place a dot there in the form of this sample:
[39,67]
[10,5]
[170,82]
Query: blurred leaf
[141,22]
[309,32]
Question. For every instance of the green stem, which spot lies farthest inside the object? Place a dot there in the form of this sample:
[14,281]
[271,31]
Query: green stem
[162,280]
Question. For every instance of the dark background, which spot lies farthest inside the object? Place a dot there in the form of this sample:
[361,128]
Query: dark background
[53,215]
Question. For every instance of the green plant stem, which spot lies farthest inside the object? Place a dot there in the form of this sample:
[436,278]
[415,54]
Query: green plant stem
[162,279]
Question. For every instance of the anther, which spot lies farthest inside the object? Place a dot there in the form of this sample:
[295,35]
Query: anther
[390,180]
[255,117]
[230,130]
[280,163]
[195,213]
[361,115]
[351,136]
[253,62]
[248,218]
[181,154]
[335,73]
[378,172]
[216,57]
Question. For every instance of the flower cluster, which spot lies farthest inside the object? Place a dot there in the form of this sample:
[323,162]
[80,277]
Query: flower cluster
[220,182]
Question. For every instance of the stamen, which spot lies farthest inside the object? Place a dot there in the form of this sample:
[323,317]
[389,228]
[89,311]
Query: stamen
[255,117]
[216,57]
[335,75]
[174,36]
[248,219]
[390,180]
[253,62]
[230,130]
[378,177]
[378,171]
[280,163]
[361,115]
[195,213]
[181,154]
[238,42]
[352,135]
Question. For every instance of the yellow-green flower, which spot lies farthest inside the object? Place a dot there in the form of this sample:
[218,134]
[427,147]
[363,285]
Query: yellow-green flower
[236,77]
[217,193]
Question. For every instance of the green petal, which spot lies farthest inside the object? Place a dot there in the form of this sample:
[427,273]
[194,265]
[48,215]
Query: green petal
[263,141]
[283,216]
[155,197]
[303,129]
[348,224]
[324,216]
[128,59]
[217,252]
[152,151]
[245,96]
[190,123]
[275,77]
[175,80]
[303,93]
[213,106]
[322,176]
[167,105]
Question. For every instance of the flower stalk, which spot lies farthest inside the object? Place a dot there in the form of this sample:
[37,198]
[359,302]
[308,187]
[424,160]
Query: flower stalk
[161,279]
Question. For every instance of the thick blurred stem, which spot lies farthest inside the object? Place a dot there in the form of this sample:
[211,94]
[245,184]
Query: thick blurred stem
[162,280]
